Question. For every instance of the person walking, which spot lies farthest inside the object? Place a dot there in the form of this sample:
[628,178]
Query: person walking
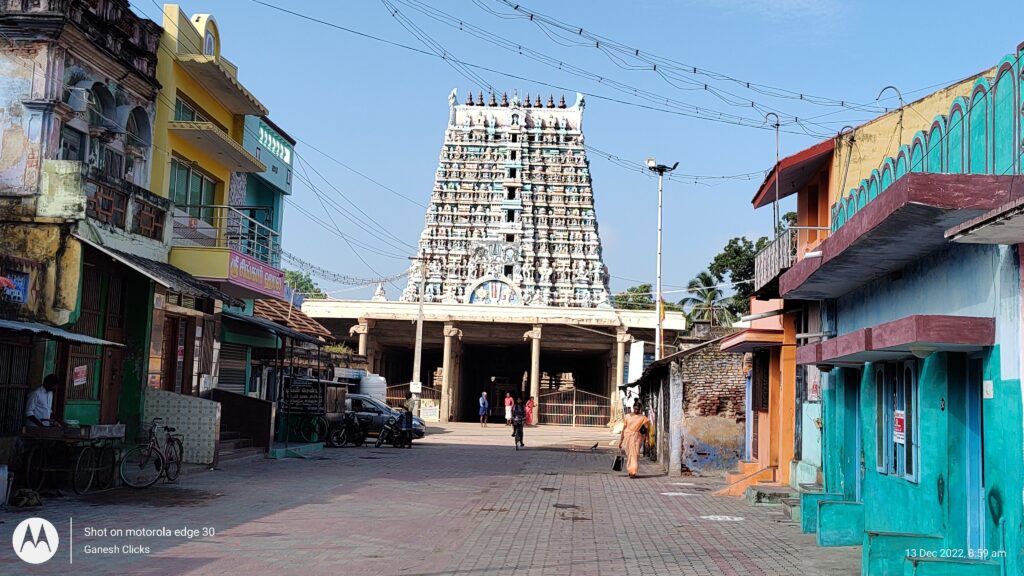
[634,433]
[509,403]
[530,405]
[485,407]
[518,419]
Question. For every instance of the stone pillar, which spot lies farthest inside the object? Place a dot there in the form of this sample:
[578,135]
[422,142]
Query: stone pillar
[622,338]
[534,337]
[363,330]
[447,370]
[675,419]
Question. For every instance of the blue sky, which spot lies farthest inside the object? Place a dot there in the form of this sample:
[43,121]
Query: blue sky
[382,110]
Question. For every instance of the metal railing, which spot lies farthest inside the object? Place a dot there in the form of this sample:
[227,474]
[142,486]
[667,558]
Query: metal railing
[780,254]
[219,226]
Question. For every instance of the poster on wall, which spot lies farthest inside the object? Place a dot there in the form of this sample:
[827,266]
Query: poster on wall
[80,376]
[899,427]
[430,410]
[813,384]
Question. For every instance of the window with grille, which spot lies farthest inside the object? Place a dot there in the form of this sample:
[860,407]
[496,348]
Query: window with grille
[105,203]
[896,419]
[760,384]
[15,361]
[148,220]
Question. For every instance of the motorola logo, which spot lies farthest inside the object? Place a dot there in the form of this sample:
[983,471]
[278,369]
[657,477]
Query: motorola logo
[35,540]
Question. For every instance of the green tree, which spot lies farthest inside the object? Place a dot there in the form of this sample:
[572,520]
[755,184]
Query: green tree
[641,297]
[735,264]
[303,284]
[635,298]
[706,302]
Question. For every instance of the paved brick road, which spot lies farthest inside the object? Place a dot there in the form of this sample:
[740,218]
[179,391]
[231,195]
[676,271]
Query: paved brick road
[461,502]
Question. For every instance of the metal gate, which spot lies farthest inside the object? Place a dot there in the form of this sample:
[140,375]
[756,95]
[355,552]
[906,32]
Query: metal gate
[396,395]
[574,408]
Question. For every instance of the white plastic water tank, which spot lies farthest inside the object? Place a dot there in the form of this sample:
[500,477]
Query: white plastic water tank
[374,386]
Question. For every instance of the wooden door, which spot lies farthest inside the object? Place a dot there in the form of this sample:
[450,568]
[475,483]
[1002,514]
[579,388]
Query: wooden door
[110,385]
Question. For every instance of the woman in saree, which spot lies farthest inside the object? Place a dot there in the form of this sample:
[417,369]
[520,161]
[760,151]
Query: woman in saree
[633,435]
[530,405]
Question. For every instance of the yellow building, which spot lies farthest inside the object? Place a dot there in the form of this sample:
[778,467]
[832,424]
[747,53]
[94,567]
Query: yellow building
[201,166]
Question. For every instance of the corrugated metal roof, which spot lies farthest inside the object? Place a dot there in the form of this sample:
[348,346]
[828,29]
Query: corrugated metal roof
[54,333]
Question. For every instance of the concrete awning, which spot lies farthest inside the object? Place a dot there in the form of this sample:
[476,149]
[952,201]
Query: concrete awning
[209,73]
[904,223]
[1003,225]
[209,138]
[917,335]
[794,172]
[752,339]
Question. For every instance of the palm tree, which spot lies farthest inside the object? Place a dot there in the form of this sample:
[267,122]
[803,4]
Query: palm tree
[706,302]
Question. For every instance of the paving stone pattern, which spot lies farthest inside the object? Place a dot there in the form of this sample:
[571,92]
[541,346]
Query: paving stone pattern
[461,502]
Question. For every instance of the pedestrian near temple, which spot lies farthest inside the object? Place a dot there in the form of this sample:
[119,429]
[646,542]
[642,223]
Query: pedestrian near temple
[634,433]
[518,419]
[509,403]
[485,407]
[530,406]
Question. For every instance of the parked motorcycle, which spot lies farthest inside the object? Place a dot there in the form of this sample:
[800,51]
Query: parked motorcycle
[395,432]
[348,430]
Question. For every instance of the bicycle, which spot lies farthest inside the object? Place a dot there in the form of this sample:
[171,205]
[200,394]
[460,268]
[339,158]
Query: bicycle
[93,467]
[517,431]
[145,464]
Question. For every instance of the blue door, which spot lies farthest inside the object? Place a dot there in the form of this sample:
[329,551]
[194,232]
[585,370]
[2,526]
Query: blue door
[975,483]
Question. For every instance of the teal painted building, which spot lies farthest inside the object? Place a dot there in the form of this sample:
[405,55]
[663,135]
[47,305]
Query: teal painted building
[260,197]
[920,285]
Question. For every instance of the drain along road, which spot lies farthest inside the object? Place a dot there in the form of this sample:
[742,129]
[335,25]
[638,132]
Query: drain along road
[463,501]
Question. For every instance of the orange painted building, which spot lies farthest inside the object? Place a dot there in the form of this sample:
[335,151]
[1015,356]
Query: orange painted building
[783,399]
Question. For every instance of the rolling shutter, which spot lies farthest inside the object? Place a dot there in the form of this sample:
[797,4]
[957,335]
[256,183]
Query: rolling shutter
[233,363]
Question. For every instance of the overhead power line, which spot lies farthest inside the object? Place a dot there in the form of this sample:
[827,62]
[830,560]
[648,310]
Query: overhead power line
[324,274]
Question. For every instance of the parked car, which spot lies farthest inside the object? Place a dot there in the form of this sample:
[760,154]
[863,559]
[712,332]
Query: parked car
[372,413]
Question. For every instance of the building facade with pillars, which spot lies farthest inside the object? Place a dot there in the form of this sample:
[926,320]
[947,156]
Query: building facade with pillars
[546,352]
[514,284]
[918,286]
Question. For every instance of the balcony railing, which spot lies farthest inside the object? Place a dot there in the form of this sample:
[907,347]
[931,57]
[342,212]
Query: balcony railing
[218,226]
[779,255]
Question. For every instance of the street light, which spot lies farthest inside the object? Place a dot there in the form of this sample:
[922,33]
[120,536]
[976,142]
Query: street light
[653,166]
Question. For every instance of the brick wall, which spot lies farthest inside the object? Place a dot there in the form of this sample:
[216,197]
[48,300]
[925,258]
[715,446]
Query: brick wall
[714,383]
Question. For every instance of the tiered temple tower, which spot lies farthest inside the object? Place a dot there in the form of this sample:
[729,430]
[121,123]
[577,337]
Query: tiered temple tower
[511,218]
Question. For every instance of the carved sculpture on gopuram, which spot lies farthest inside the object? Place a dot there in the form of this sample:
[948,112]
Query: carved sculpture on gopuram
[492,236]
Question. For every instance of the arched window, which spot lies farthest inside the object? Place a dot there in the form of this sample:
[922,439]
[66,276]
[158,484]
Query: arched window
[936,145]
[978,136]
[955,140]
[917,156]
[886,180]
[1003,122]
[209,44]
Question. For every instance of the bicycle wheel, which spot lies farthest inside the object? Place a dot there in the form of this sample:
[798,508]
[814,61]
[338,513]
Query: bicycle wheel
[142,466]
[338,437]
[85,469]
[35,462]
[313,429]
[172,464]
[106,467]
